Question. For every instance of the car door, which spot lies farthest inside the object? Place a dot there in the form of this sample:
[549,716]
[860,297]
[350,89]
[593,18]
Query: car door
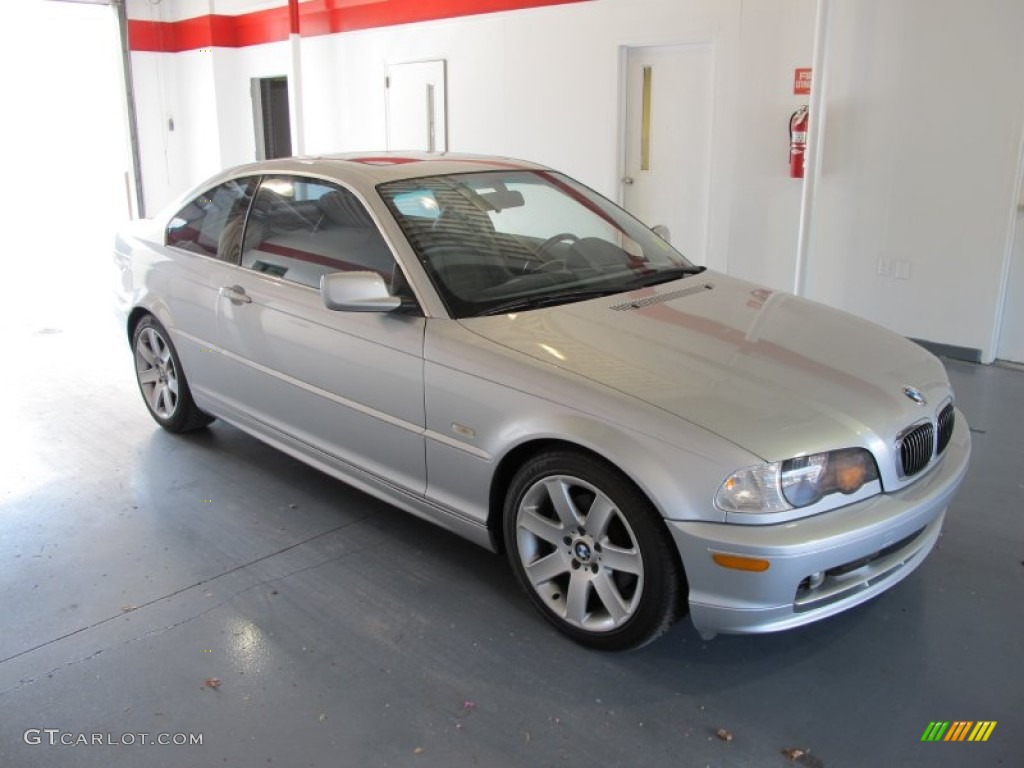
[201,242]
[349,384]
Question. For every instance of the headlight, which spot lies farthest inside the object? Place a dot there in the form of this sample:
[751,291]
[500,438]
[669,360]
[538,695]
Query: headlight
[796,483]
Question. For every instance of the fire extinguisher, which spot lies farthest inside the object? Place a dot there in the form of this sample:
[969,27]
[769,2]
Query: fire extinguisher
[797,142]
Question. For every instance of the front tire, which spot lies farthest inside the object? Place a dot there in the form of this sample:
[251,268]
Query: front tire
[162,380]
[591,551]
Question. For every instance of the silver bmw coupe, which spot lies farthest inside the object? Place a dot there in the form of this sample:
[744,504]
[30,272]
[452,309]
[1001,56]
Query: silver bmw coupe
[492,346]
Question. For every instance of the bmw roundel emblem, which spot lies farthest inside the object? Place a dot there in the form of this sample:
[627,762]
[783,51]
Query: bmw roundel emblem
[916,395]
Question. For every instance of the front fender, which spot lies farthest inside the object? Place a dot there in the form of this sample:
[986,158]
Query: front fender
[485,402]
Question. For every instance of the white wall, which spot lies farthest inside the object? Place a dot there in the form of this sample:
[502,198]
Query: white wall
[235,68]
[925,118]
[924,111]
[162,156]
[205,94]
[177,112]
[543,84]
[776,36]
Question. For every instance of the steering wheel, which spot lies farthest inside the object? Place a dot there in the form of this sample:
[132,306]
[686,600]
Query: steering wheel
[538,255]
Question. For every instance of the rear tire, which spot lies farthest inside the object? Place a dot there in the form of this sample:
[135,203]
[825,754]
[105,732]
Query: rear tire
[162,380]
[592,552]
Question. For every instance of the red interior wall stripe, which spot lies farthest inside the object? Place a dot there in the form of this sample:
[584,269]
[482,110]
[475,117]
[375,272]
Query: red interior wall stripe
[395,12]
[223,30]
[193,33]
[320,17]
[269,26]
[145,35]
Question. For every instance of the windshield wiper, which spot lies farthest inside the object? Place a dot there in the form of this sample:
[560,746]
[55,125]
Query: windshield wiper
[665,275]
[566,297]
[548,300]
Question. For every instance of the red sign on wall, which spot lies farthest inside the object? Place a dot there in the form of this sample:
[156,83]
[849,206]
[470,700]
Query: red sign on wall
[802,81]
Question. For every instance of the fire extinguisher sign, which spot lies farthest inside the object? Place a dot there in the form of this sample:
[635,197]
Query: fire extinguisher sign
[802,81]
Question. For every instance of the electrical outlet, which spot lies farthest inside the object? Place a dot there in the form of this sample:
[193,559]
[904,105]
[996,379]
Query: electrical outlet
[901,269]
[884,267]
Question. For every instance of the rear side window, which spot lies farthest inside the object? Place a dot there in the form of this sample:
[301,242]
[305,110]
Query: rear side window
[212,223]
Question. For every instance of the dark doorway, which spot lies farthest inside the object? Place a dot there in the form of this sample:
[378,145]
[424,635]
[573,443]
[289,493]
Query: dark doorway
[273,124]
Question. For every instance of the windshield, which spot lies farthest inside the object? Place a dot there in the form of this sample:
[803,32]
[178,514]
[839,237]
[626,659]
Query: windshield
[510,240]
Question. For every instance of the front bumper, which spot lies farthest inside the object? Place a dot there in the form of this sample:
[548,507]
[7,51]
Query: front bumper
[820,565]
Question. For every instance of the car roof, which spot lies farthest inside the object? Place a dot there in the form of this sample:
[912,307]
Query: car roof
[372,168]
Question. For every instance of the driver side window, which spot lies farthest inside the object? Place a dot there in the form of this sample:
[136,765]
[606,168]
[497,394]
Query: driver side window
[299,229]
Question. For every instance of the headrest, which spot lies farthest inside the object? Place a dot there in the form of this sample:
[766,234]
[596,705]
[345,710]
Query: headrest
[342,208]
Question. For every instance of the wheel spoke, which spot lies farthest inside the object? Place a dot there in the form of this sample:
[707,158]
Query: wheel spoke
[159,395]
[576,600]
[149,376]
[625,560]
[558,491]
[547,568]
[145,348]
[172,385]
[541,527]
[156,395]
[599,515]
[610,597]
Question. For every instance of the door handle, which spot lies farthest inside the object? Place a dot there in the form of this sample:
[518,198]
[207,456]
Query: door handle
[627,180]
[235,294]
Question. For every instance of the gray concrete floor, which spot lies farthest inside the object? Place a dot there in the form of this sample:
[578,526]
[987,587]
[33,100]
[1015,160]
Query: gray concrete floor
[135,565]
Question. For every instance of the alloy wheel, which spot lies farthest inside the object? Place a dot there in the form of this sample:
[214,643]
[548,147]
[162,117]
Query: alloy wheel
[579,553]
[158,377]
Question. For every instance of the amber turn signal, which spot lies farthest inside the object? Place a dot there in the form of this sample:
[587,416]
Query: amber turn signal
[740,563]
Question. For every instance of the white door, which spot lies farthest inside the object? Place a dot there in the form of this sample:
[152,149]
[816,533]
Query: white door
[1011,332]
[667,168]
[417,106]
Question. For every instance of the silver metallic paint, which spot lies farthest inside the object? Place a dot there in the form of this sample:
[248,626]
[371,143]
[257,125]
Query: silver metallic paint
[723,600]
[677,393]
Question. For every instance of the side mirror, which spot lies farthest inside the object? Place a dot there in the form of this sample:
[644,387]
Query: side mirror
[662,231]
[357,292]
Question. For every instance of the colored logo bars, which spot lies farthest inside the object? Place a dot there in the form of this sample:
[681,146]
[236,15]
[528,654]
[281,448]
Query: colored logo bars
[959,730]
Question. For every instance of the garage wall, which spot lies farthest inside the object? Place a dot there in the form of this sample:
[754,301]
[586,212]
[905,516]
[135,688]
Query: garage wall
[776,36]
[541,83]
[235,69]
[906,83]
[924,124]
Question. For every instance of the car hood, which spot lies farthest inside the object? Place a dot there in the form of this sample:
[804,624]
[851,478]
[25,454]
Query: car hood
[778,375]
